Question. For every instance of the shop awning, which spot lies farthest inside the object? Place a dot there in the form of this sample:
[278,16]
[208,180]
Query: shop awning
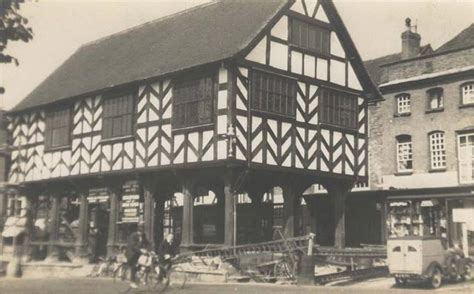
[428,196]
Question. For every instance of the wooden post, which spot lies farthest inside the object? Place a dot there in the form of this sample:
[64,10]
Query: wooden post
[31,202]
[3,204]
[187,232]
[291,201]
[149,213]
[219,192]
[256,195]
[114,198]
[338,193]
[54,226]
[384,211]
[159,216]
[230,210]
[81,240]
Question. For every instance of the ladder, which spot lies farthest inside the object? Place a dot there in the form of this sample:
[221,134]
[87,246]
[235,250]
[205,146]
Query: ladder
[285,245]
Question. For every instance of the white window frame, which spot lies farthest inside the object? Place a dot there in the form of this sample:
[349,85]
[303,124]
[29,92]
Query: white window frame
[466,158]
[403,103]
[404,155]
[467,93]
[437,150]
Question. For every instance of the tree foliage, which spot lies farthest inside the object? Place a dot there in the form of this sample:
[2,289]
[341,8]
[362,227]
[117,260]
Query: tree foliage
[13,27]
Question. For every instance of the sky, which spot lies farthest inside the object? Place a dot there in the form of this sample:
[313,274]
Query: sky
[61,26]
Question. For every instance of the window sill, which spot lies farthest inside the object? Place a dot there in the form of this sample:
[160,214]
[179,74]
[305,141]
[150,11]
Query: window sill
[402,114]
[339,128]
[437,170]
[202,127]
[467,105]
[441,109]
[117,139]
[269,114]
[59,148]
[404,173]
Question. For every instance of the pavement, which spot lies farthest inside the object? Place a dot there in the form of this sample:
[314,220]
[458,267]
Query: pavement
[107,286]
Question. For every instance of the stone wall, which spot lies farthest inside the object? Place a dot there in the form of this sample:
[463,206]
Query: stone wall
[385,125]
[427,65]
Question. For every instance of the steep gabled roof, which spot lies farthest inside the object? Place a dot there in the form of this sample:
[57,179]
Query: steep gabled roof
[464,39]
[201,35]
[206,34]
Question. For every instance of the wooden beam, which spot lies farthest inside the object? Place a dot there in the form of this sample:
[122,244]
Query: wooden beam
[159,216]
[3,205]
[291,201]
[54,225]
[187,231]
[230,216]
[338,192]
[114,198]
[81,240]
[149,211]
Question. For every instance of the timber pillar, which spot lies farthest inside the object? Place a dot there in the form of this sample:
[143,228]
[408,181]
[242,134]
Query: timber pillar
[159,211]
[113,219]
[256,195]
[149,212]
[230,217]
[81,240]
[187,231]
[291,203]
[3,204]
[54,227]
[338,194]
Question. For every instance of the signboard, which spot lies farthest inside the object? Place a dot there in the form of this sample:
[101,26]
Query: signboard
[130,208]
[100,195]
[464,215]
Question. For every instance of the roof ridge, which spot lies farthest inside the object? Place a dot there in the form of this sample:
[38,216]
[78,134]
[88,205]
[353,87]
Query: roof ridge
[445,44]
[157,20]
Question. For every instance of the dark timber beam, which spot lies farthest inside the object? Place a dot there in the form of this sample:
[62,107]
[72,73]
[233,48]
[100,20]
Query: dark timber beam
[159,211]
[230,217]
[291,202]
[187,231]
[3,204]
[114,194]
[54,226]
[338,193]
[256,195]
[81,240]
[149,212]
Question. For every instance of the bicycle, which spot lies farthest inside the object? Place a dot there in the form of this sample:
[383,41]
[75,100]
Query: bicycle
[149,273]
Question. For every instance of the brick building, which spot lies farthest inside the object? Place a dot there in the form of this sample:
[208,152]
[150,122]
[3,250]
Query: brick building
[421,152]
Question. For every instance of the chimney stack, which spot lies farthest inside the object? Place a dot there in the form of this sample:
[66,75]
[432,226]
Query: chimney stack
[410,41]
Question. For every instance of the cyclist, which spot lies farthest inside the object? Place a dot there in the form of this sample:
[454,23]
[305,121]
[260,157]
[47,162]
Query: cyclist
[135,244]
[166,252]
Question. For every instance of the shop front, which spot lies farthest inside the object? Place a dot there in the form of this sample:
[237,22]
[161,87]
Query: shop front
[442,215]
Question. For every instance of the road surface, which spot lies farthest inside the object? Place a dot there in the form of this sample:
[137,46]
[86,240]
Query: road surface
[107,286]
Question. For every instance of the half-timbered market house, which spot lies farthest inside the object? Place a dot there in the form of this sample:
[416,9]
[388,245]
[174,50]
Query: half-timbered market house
[228,99]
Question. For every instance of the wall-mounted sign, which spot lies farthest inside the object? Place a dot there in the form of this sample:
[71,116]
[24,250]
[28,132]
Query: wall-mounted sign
[99,195]
[130,208]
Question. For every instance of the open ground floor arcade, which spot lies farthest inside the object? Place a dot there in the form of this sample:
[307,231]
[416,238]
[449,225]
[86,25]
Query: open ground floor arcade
[86,218]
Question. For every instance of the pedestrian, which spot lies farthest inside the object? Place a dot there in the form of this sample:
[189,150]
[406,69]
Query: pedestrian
[136,243]
[166,252]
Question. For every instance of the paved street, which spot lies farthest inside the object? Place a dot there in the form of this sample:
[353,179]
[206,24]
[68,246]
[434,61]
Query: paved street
[106,286]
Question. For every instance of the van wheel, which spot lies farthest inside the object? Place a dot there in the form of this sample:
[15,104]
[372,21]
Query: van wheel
[467,275]
[436,278]
[400,281]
